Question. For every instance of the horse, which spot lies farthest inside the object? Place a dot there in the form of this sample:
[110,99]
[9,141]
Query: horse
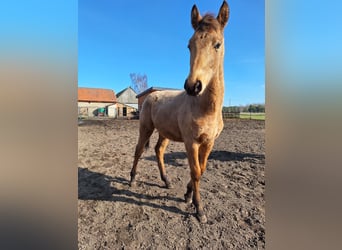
[193,115]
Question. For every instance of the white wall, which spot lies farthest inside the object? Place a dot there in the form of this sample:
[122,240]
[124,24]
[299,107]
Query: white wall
[88,108]
[112,111]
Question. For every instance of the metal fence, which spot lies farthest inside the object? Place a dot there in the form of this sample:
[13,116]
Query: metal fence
[227,115]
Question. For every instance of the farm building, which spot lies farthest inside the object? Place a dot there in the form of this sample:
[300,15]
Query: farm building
[141,97]
[127,103]
[96,102]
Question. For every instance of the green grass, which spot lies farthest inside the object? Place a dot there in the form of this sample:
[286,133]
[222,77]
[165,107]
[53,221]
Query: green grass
[253,116]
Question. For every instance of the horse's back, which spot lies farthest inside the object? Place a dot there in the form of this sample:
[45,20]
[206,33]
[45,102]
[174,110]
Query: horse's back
[162,109]
[163,101]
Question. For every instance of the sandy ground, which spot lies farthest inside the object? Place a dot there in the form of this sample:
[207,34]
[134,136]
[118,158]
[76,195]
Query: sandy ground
[114,216]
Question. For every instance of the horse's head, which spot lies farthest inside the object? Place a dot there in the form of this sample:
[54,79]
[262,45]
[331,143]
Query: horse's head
[206,48]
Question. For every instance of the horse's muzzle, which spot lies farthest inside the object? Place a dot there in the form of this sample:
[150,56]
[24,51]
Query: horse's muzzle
[195,89]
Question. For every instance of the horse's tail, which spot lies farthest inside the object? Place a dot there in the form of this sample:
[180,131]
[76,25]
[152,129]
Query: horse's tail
[147,144]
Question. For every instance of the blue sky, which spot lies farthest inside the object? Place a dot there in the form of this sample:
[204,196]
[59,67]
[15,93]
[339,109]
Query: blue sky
[116,38]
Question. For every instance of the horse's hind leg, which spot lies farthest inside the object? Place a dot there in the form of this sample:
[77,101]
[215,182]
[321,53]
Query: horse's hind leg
[160,150]
[144,136]
[188,194]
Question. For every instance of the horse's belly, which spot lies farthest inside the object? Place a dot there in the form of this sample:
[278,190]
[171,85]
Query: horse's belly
[165,121]
[171,135]
[169,130]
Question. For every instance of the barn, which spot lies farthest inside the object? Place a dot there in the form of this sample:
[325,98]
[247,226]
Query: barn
[94,102]
[127,103]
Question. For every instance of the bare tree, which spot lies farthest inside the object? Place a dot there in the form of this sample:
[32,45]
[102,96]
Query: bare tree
[139,82]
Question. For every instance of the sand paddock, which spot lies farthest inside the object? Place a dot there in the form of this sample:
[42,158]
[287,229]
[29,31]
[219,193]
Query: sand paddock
[111,215]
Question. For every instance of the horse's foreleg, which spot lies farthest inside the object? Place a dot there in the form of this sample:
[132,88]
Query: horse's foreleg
[160,150]
[204,152]
[195,171]
[139,149]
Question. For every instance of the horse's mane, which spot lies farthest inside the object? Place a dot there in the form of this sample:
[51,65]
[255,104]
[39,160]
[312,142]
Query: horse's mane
[208,22]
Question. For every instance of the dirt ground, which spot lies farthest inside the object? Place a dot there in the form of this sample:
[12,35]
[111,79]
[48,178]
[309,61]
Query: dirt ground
[112,215]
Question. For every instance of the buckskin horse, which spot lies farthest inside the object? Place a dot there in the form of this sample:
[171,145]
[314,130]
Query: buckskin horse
[193,116]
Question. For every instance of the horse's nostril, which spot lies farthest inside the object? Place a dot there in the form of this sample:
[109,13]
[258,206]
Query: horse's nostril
[198,87]
[194,89]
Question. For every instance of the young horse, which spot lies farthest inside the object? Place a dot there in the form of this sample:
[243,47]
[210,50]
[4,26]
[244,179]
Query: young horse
[193,116]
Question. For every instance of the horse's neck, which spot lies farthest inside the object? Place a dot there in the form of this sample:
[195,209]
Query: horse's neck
[212,98]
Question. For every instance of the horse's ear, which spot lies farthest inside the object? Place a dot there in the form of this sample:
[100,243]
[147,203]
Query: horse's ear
[195,17]
[223,15]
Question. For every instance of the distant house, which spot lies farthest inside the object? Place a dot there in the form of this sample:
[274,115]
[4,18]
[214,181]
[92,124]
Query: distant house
[127,103]
[141,97]
[96,102]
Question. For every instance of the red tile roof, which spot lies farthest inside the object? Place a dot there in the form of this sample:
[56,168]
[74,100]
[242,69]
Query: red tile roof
[96,95]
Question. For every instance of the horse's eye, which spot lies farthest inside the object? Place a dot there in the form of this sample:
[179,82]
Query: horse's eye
[217,45]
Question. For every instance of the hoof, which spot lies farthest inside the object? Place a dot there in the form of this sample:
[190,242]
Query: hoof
[132,183]
[168,185]
[166,181]
[187,199]
[202,218]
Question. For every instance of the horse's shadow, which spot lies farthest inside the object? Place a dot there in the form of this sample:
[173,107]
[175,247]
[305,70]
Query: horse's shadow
[176,158]
[226,156]
[97,186]
[172,158]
